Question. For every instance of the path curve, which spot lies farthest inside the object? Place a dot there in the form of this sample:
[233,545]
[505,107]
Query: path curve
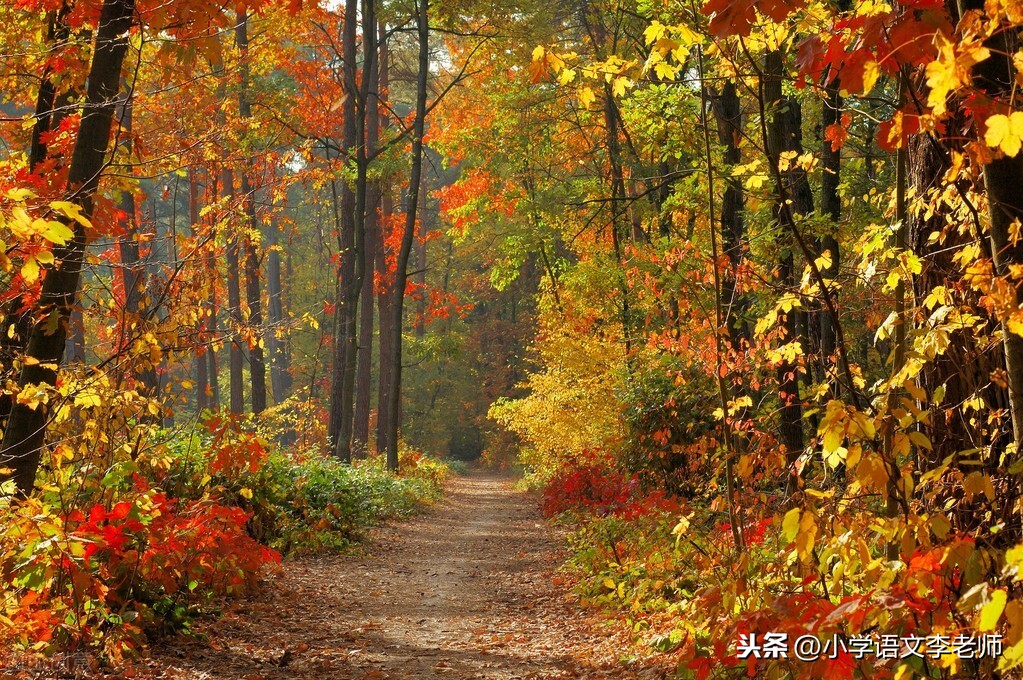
[467,590]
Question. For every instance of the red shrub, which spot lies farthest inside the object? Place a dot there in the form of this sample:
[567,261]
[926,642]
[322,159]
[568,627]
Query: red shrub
[599,489]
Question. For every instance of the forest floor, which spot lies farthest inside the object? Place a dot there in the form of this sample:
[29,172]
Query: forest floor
[468,590]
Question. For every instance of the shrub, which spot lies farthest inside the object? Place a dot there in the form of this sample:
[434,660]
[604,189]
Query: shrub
[108,554]
[100,578]
[594,486]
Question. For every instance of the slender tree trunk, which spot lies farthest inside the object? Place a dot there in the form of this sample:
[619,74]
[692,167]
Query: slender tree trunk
[253,292]
[134,277]
[212,369]
[253,299]
[17,319]
[345,338]
[997,76]
[733,227]
[74,345]
[782,128]
[364,374]
[211,355]
[48,114]
[720,326]
[385,293]
[831,207]
[618,197]
[1005,198]
[202,376]
[421,264]
[26,429]
[236,359]
[280,374]
[408,236]
[422,306]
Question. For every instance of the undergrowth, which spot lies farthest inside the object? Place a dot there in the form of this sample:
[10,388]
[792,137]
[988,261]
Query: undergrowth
[105,557]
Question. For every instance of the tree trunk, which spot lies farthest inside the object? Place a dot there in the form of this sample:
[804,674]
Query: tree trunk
[782,130]
[345,338]
[48,110]
[422,306]
[354,218]
[17,322]
[26,429]
[202,376]
[408,236]
[733,227]
[234,307]
[364,374]
[134,276]
[1002,177]
[831,207]
[280,374]
[421,253]
[385,293]
[211,271]
[253,292]
[74,345]
[253,298]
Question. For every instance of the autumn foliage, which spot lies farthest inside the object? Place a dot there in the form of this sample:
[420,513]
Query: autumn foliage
[783,293]
[736,283]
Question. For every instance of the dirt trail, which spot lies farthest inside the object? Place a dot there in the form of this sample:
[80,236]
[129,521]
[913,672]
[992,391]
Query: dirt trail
[466,591]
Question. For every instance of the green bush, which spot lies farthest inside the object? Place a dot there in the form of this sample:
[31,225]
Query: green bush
[303,502]
[320,504]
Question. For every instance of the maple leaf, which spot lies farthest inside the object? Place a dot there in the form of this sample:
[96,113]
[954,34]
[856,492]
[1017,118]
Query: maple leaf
[778,10]
[859,72]
[653,32]
[892,134]
[837,135]
[951,70]
[737,18]
[1005,132]
[730,18]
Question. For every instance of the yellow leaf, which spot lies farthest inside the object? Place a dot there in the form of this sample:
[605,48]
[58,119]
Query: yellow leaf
[57,232]
[940,525]
[566,76]
[71,210]
[977,483]
[538,53]
[20,195]
[682,526]
[620,85]
[1005,132]
[664,71]
[246,492]
[951,69]
[88,399]
[586,97]
[806,535]
[871,72]
[30,269]
[992,611]
[653,32]
[790,525]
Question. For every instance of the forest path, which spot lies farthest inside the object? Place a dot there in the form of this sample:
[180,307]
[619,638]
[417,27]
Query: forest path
[467,590]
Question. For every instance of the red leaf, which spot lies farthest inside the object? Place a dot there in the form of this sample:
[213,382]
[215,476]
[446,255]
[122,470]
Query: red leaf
[837,135]
[97,514]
